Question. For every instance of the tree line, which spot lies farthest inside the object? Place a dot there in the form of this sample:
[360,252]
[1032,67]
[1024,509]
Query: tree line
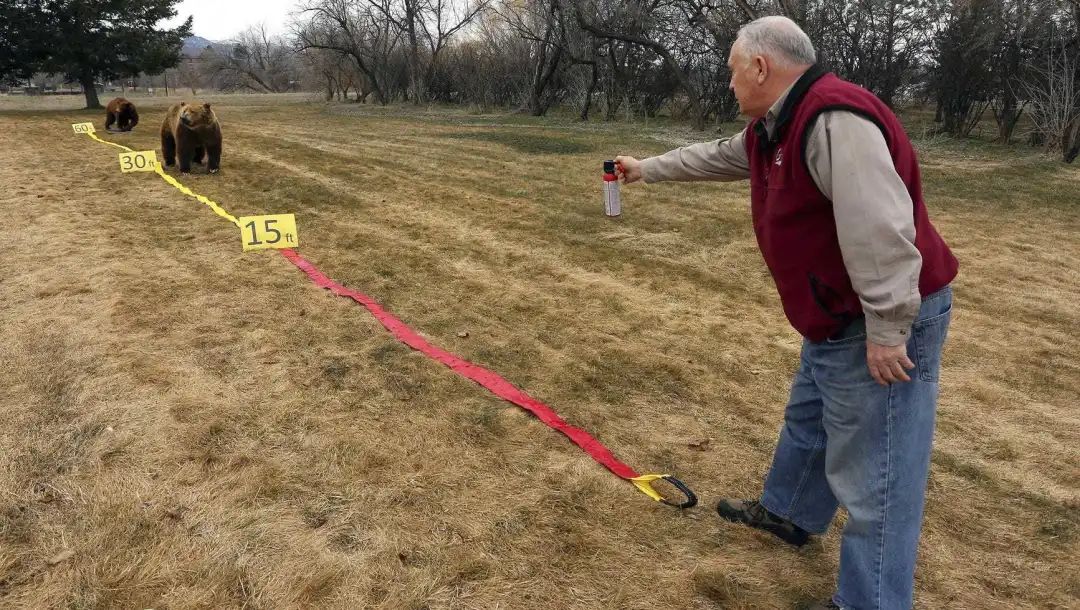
[976,63]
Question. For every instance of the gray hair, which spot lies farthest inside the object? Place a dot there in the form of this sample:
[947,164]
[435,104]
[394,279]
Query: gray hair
[779,39]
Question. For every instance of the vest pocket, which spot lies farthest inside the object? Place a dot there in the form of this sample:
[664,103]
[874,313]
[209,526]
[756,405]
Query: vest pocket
[828,300]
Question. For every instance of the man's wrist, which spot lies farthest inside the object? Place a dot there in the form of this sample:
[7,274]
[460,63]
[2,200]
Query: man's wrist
[888,332]
[648,169]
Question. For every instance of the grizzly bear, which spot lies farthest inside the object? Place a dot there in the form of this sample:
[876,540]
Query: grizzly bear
[122,113]
[190,132]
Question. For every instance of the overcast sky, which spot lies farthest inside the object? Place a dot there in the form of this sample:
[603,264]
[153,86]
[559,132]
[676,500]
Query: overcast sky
[222,19]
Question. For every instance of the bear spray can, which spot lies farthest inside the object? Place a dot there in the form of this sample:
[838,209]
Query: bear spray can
[612,203]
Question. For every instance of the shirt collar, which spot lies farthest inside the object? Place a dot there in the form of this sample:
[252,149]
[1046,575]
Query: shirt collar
[774,111]
[769,129]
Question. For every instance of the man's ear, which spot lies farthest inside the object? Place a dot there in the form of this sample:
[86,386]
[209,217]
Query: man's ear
[762,68]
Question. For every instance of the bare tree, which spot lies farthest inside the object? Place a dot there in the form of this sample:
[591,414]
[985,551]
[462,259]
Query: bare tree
[190,74]
[427,26]
[489,68]
[354,29]
[630,23]
[335,74]
[1071,143]
[445,20]
[585,50]
[1009,62]
[877,44]
[962,79]
[1054,95]
[1076,14]
[255,61]
[540,24]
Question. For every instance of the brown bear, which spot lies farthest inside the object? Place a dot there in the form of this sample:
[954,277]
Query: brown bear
[122,113]
[190,132]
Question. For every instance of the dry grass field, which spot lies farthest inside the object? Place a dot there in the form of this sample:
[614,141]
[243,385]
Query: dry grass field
[188,426]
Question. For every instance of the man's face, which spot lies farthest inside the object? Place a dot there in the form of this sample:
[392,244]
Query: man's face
[748,76]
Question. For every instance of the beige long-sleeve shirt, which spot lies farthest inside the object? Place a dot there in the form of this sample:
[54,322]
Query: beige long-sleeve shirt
[849,160]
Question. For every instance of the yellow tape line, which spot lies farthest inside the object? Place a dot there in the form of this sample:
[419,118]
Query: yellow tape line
[185,190]
[180,187]
[94,135]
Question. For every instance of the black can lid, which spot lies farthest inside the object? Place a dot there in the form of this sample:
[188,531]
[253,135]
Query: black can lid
[609,167]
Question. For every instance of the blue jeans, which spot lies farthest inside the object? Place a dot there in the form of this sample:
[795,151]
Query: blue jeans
[847,440]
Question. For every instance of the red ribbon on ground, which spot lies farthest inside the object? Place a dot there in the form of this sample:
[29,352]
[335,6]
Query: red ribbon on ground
[494,382]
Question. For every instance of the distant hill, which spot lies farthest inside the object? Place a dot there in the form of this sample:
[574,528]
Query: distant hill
[194,45]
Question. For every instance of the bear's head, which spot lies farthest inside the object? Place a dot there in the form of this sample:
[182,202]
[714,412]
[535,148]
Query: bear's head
[197,117]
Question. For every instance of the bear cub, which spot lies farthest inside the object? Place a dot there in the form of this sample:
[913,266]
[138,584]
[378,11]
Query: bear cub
[189,133]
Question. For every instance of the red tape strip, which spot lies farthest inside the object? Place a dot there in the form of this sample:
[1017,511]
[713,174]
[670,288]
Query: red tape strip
[486,378]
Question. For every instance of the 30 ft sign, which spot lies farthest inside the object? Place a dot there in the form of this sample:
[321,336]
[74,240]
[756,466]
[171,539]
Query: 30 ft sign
[141,161]
[273,231]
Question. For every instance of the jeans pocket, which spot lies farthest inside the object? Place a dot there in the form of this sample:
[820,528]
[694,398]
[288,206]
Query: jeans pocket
[929,335]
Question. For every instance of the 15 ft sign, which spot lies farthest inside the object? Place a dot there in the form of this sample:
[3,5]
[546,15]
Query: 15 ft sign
[272,231]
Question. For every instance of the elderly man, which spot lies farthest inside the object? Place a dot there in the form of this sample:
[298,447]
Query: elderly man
[838,210]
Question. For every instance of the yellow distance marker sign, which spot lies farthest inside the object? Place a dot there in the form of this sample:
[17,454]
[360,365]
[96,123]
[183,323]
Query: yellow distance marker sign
[140,161]
[83,127]
[272,231]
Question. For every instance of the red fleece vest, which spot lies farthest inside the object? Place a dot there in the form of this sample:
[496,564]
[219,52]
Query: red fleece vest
[794,221]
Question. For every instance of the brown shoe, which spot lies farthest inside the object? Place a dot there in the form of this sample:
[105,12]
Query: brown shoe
[752,513]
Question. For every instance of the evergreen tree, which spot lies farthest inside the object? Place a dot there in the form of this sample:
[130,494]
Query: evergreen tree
[89,40]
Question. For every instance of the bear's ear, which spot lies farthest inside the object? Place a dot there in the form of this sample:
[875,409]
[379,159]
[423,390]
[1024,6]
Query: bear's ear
[206,105]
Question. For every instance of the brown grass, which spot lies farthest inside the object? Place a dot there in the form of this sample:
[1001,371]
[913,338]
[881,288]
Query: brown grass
[204,428]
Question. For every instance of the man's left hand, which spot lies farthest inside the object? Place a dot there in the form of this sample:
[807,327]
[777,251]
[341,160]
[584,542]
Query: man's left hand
[887,363]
